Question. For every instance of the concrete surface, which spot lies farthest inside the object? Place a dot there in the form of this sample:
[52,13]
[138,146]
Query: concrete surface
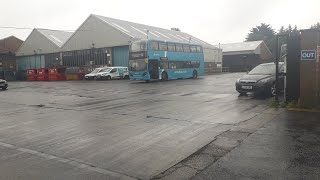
[285,148]
[119,129]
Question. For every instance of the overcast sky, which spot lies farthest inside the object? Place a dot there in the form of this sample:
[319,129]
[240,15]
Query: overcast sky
[213,21]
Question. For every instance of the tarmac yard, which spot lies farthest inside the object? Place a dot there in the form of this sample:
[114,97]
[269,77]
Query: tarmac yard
[118,129]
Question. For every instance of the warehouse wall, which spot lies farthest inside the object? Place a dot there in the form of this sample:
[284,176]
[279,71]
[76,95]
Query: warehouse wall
[241,63]
[94,32]
[120,56]
[37,42]
[30,62]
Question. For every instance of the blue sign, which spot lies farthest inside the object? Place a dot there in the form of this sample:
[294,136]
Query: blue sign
[308,55]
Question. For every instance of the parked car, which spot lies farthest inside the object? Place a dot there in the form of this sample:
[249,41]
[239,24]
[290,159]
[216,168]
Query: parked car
[261,80]
[108,73]
[93,75]
[3,84]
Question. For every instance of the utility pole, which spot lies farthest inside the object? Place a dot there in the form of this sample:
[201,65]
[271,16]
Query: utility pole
[277,69]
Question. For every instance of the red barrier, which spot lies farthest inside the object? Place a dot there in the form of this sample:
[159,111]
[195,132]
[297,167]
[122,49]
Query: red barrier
[57,74]
[32,74]
[42,74]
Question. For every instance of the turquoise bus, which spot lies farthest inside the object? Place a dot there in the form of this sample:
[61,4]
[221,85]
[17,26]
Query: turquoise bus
[161,60]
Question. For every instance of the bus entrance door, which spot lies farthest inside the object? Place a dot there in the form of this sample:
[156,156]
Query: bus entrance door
[153,67]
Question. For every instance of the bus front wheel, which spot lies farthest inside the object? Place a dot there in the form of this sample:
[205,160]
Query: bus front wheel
[164,76]
[195,74]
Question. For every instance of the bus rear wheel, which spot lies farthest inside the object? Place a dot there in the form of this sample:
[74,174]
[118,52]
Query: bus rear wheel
[195,74]
[164,76]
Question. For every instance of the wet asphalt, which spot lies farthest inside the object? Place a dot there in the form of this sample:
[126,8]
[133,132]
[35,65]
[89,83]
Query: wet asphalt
[116,129]
[285,148]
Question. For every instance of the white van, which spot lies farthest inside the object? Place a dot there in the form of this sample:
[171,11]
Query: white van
[108,73]
[113,73]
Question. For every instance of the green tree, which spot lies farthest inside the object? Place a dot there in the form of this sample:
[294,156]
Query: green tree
[263,32]
[316,26]
[175,29]
[281,30]
[289,30]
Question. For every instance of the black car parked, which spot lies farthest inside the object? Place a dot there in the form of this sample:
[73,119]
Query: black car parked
[3,84]
[261,80]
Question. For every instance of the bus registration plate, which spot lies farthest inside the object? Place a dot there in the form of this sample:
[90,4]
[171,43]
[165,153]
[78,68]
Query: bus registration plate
[246,87]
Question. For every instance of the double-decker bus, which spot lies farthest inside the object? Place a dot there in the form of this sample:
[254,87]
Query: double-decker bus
[160,60]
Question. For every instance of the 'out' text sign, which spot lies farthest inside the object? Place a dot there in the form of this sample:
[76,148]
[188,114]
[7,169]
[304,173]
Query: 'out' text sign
[308,55]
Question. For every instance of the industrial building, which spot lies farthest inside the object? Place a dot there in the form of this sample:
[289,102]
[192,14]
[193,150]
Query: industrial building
[100,41]
[8,48]
[244,56]
[41,49]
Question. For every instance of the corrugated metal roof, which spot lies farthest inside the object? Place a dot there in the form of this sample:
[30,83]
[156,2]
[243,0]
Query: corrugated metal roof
[140,31]
[241,46]
[57,37]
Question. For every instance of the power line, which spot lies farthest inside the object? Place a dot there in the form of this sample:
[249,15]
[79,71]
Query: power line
[26,28]
[11,27]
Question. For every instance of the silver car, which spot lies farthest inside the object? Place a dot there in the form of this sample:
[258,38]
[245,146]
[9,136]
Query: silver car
[3,84]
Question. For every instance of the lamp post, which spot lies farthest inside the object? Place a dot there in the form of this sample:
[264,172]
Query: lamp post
[35,58]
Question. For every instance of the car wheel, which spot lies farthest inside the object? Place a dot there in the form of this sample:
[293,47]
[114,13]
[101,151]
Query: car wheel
[273,90]
[195,74]
[4,88]
[164,76]
[108,77]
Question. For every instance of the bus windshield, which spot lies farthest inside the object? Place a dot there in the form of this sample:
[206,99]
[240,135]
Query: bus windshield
[138,46]
[137,65]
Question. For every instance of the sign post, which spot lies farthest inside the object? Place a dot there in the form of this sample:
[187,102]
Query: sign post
[317,75]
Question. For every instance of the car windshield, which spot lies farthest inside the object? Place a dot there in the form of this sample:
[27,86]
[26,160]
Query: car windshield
[137,65]
[95,71]
[267,69]
[106,70]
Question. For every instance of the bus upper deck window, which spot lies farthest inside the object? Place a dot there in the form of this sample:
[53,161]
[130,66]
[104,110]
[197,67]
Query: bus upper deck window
[179,48]
[163,46]
[171,47]
[155,45]
[193,48]
[186,48]
[139,46]
[199,49]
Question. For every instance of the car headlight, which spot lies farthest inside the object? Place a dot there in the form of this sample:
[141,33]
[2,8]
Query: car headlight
[263,81]
[238,80]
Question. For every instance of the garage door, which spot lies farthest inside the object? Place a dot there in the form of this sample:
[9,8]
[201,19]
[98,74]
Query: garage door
[120,56]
